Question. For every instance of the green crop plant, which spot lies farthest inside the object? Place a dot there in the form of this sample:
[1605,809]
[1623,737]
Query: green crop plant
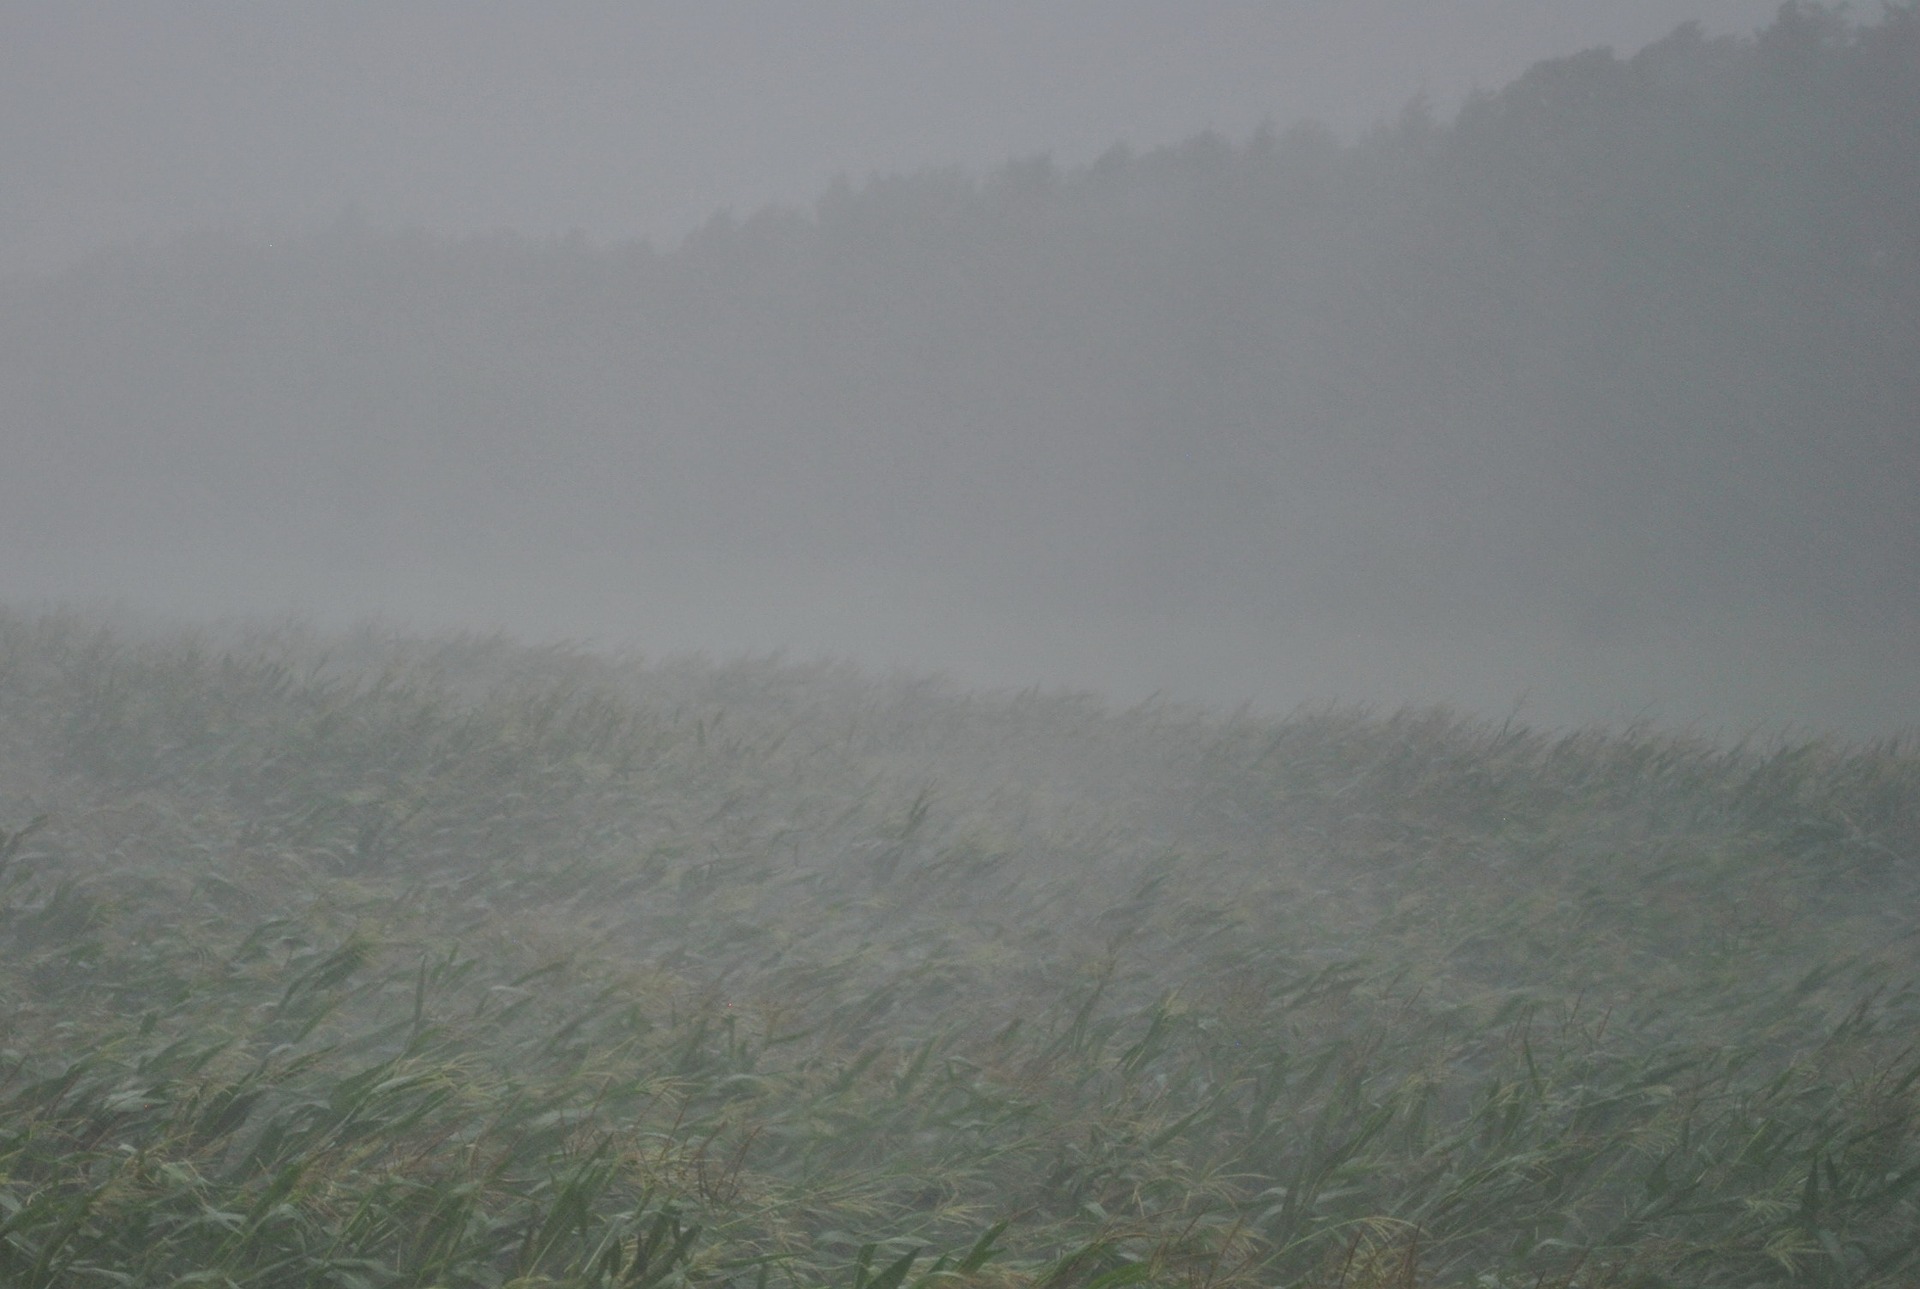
[365,960]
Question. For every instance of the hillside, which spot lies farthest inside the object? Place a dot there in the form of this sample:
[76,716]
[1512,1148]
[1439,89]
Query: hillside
[1559,396]
[367,960]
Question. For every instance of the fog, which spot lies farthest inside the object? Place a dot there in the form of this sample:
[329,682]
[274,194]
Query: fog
[1549,356]
[128,121]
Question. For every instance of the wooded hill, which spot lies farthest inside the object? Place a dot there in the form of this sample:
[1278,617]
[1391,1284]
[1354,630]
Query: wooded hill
[1633,341]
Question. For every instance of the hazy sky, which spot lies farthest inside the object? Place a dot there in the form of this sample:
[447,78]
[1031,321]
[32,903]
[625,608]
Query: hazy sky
[141,118]
[123,120]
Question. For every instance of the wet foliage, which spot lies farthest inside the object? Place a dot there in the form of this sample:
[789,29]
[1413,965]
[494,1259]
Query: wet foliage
[367,960]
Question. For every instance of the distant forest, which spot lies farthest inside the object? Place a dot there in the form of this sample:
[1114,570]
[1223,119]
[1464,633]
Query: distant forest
[1631,337]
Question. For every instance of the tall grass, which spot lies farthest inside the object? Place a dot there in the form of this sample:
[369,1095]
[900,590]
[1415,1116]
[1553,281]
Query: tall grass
[366,960]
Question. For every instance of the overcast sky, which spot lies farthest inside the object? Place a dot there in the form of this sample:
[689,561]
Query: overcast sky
[130,119]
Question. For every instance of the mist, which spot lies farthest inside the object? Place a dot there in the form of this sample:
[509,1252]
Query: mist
[915,645]
[1513,356]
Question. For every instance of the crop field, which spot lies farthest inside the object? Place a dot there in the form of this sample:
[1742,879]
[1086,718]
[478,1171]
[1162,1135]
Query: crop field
[370,960]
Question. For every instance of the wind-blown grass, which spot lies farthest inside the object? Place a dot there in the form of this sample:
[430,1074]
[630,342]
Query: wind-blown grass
[373,961]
